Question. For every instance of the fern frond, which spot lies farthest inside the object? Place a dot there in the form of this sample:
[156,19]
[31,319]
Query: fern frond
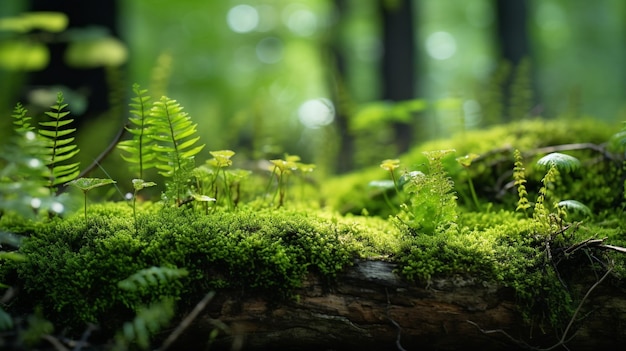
[148,321]
[151,277]
[174,133]
[21,122]
[60,147]
[139,150]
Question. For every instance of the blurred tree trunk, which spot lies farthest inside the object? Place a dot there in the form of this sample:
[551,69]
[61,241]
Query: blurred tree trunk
[514,48]
[513,43]
[91,82]
[399,60]
[340,95]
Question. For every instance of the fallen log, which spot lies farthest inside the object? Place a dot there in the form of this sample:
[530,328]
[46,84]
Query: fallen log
[371,308]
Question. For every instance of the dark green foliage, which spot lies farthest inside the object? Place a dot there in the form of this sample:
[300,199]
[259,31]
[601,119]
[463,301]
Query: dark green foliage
[60,146]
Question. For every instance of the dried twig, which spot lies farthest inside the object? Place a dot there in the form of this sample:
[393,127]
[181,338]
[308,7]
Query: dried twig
[187,321]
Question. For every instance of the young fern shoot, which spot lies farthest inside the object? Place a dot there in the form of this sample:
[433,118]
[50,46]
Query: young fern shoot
[139,150]
[60,147]
[176,143]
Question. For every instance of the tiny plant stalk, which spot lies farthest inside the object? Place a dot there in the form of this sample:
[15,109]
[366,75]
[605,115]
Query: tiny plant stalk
[86,184]
[138,184]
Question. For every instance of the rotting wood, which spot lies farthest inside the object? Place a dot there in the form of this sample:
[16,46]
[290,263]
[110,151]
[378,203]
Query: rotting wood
[371,308]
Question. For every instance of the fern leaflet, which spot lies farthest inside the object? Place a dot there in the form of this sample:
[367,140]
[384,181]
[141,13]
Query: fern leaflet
[60,147]
[151,277]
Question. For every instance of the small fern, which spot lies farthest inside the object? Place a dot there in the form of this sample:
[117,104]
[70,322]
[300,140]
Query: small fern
[431,207]
[520,181]
[148,321]
[60,147]
[23,172]
[174,133]
[139,150]
[151,277]
[21,122]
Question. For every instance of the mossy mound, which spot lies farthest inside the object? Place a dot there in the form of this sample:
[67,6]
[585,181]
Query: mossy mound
[492,169]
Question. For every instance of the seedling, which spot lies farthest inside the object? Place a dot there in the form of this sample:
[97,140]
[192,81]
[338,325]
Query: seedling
[282,168]
[86,184]
[466,162]
[390,165]
[221,159]
[139,184]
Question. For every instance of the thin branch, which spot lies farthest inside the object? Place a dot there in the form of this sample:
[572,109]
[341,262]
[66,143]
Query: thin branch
[187,321]
[105,152]
[571,321]
[564,338]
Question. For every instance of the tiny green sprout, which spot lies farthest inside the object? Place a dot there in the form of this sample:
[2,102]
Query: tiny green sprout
[282,168]
[390,165]
[221,159]
[86,184]
[204,199]
[561,161]
[237,176]
[139,184]
[466,162]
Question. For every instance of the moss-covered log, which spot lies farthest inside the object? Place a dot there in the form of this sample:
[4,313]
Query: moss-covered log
[371,308]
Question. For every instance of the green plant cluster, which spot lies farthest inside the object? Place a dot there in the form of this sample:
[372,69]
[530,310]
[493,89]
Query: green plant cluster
[135,265]
[492,163]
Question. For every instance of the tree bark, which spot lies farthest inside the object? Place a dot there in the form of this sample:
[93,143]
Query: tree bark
[371,308]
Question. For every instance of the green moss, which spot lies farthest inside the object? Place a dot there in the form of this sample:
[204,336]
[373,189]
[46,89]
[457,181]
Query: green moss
[350,193]
[73,267]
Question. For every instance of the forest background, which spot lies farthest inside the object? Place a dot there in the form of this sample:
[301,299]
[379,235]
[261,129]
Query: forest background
[342,83]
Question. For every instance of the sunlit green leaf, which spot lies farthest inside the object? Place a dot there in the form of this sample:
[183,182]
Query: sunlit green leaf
[139,184]
[86,184]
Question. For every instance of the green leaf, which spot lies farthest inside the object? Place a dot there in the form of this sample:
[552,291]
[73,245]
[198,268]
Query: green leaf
[86,184]
[561,161]
[382,184]
[203,198]
[575,206]
[139,184]
[12,256]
